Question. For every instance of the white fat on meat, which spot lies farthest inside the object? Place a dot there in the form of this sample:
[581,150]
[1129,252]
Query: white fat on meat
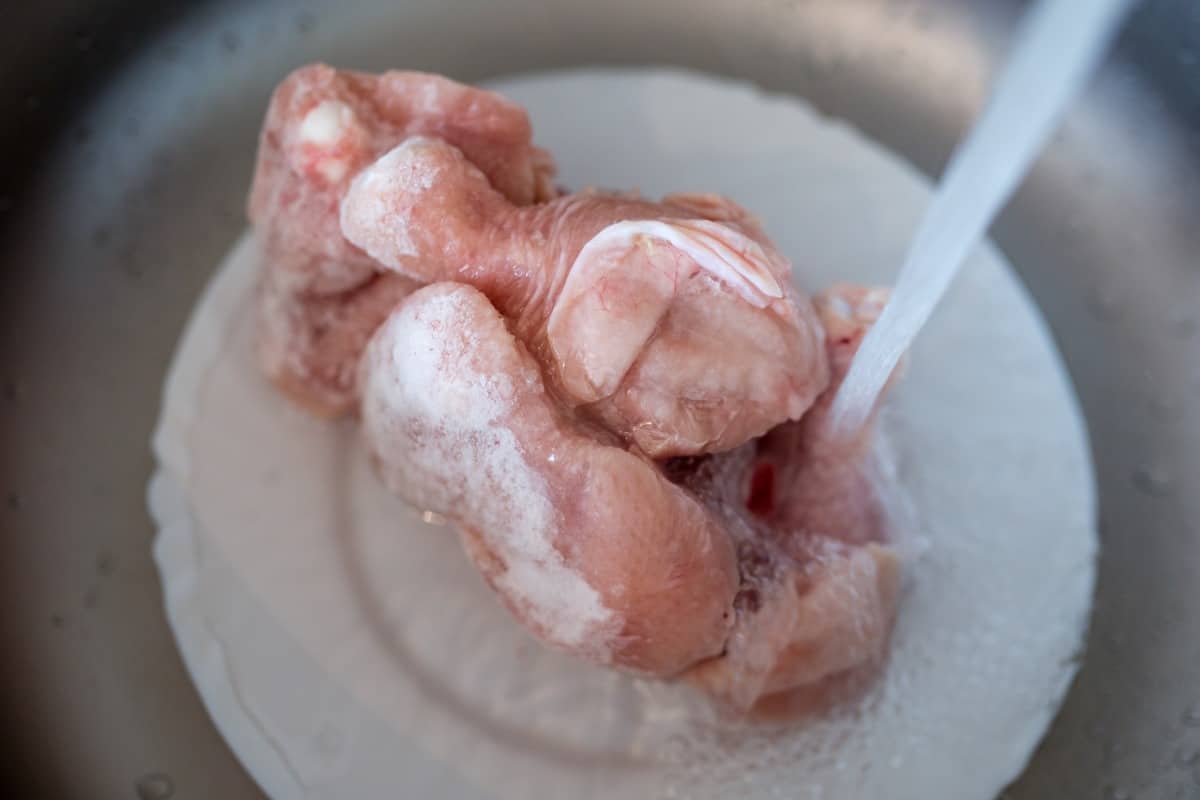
[322,135]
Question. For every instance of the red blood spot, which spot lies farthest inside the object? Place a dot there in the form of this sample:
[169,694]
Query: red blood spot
[747,600]
[761,499]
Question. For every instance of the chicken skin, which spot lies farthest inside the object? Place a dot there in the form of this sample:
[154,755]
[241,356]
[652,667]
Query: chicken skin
[632,308]
[655,567]
[320,298]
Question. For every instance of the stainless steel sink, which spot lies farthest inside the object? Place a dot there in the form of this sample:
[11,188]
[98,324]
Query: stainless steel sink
[129,134]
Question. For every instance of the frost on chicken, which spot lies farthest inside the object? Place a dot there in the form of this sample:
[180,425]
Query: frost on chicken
[310,344]
[819,581]
[322,127]
[435,408]
[458,420]
[621,403]
[624,301]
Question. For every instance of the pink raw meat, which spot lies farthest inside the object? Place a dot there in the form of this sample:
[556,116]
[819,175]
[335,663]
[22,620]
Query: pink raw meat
[586,542]
[310,344]
[656,567]
[320,299]
[632,308]
[621,404]
[819,582]
[324,125]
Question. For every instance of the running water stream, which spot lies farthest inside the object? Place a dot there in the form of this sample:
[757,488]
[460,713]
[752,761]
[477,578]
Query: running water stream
[1058,47]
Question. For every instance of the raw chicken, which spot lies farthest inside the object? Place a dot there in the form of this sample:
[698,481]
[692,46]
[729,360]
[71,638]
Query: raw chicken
[656,567]
[324,125]
[320,299]
[310,344]
[632,308]
[588,543]
[819,581]
[621,404]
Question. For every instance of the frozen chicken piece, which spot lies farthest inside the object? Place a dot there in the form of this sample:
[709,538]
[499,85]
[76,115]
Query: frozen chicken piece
[655,567]
[310,344]
[621,404]
[321,296]
[674,325]
[819,581]
[324,125]
[587,543]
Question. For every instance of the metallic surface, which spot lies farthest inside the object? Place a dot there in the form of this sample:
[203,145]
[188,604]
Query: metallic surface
[128,146]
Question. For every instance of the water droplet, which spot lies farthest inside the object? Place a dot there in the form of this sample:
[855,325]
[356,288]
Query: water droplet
[1163,409]
[330,740]
[674,749]
[1183,326]
[14,501]
[128,259]
[230,42]
[1191,717]
[1153,481]
[105,563]
[57,621]
[1185,757]
[432,518]
[157,786]
[925,18]
[306,22]
[1103,304]
[1116,793]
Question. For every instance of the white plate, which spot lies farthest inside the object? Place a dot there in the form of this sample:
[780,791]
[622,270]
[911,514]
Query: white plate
[346,649]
